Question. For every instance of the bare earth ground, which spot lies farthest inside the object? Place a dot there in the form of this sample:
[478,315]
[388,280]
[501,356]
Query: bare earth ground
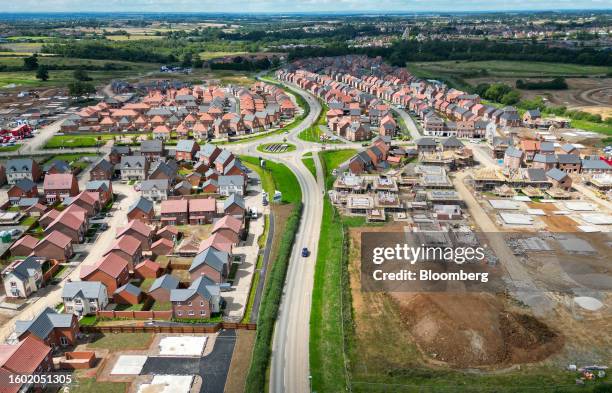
[241,359]
[592,95]
[484,331]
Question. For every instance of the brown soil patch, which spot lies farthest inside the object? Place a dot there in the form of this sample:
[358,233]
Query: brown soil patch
[281,213]
[460,330]
[554,223]
[241,359]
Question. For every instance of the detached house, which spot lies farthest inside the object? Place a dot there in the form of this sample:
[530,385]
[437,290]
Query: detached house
[200,300]
[141,210]
[112,271]
[152,150]
[155,190]
[84,297]
[103,170]
[134,168]
[59,186]
[128,248]
[28,357]
[22,188]
[56,246]
[22,277]
[104,188]
[229,185]
[186,150]
[162,287]
[53,328]
[211,263]
[202,210]
[140,231]
[22,168]
[234,206]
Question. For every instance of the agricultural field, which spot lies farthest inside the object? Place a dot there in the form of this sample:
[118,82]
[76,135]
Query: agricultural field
[215,55]
[517,69]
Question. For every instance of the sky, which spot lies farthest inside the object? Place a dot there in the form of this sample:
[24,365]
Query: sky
[288,6]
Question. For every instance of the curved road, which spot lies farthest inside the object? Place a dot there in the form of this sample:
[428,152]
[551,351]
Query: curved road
[290,362]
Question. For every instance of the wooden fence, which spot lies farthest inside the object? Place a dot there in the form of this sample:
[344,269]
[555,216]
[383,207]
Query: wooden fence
[185,328]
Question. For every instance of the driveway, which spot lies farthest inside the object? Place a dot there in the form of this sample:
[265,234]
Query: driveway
[213,368]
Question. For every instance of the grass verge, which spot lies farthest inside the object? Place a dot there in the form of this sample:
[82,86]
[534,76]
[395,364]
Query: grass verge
[268,311]
[275,176]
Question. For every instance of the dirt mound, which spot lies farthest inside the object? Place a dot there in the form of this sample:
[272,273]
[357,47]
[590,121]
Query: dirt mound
[474,330]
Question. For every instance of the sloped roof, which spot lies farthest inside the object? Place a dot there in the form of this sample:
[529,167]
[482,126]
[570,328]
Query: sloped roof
[212,257]
[86,289]
[167,281]
[44,323]
[203,286]
[142,204]
[23,357]
[228,222]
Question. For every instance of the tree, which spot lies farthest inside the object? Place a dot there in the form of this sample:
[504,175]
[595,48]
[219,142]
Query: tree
[198,63]
[510,98]
[42,73]
[30,63]
[80,74]
[78,88]
[187,59]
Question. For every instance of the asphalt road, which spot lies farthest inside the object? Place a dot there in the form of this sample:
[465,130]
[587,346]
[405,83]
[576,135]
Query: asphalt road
[290,363]
[410,124]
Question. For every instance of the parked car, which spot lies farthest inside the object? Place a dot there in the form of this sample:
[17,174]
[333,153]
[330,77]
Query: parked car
[305,252]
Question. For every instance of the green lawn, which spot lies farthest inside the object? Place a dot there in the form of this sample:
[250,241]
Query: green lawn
[601,128]
[309,163]
[70,157]
[122,341]
[83,140]
[28,221]
[276,176]
[161,306]
[15,147]
[90,385]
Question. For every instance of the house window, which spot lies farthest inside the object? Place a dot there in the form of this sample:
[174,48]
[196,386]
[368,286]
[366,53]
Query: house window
[202,304]
[191,313]
[179,313]
[202,312]
[63,341]
[189,304]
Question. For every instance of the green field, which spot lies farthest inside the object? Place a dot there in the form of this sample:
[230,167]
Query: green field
[84,140]
[215,55]
[467,69]
[276,176]
[90,385]
[63,77]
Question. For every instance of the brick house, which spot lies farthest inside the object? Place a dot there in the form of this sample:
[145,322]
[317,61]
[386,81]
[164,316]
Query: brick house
[186,150]
[200,300]
[513,158]
[29,356]
[229,227]
[56,246]
[112,271]
[175,212]
[152,150]
[72,222]
[88,201]
[103,170]
[104,188]
[58,186]
[117,152]
[162,246]
[140,231]
[24,246]
[559,179]
[53,328]
[211,263]
[141,210]
[202,210]
[127,247]
[234,206]
[22,188]
[162,287]
[569,163]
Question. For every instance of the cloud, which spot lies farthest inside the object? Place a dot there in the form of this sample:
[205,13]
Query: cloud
[281,6]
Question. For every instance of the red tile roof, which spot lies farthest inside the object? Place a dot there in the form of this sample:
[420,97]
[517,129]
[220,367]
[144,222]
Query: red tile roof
[126,243]
[228,222]
[24,357]
[203,205]
[137,226]
[57,238]
[174,206]
[58,181]
[27,241]
[112,264]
